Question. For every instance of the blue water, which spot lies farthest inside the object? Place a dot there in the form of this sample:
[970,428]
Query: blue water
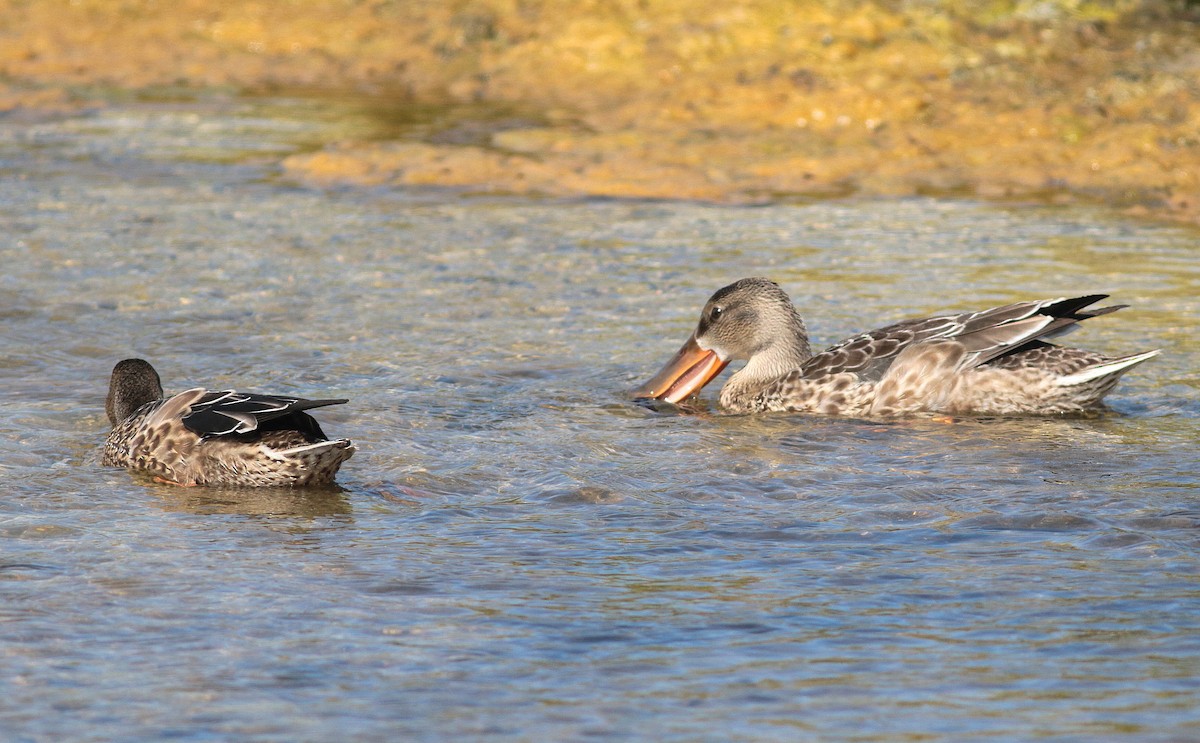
[517,552]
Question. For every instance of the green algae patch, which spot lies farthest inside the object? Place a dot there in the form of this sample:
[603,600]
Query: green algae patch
[735,102]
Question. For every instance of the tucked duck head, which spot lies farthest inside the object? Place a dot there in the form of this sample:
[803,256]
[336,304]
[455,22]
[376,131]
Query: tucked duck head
[134,383]
[750,319]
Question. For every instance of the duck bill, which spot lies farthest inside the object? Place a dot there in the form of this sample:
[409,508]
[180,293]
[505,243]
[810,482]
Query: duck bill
[685,374]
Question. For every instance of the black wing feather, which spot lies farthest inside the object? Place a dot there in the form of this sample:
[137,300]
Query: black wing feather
[226,413]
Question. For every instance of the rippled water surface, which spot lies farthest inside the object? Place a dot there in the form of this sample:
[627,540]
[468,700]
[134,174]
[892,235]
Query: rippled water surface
[518,552]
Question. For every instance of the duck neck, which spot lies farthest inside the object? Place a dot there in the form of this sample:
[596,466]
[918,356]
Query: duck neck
[786,353]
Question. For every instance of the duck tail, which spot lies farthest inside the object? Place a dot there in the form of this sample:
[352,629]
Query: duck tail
[1111,368]
[318,461]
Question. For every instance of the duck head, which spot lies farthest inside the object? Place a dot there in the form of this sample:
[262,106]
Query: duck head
[751,319]
[134,383]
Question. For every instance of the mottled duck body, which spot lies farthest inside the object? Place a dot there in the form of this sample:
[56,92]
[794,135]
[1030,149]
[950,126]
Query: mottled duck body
[216,437]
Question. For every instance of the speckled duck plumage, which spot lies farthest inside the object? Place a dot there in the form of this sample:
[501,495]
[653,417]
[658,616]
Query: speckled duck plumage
[203,437]
[995,361]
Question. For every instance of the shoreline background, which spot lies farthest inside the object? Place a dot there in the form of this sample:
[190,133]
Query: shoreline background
[726,102]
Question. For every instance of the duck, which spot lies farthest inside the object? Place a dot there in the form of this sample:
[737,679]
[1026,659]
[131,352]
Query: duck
[996,361]
[216,437]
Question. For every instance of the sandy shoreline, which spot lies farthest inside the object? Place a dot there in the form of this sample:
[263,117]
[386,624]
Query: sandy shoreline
[686,99]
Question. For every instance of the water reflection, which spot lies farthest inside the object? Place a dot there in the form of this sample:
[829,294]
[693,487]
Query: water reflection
[315,502]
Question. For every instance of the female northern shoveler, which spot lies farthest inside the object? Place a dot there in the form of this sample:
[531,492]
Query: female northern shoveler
[202,437]
[995,361]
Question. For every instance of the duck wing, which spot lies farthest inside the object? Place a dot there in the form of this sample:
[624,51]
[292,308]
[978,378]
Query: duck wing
[986,335]
[228,413]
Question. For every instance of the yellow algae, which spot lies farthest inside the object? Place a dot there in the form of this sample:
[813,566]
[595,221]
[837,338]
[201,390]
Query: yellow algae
[731,101]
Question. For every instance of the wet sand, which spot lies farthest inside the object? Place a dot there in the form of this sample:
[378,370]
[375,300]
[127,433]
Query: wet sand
[686,99]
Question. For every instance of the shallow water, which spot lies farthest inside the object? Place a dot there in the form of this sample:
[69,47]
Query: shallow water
[518,552]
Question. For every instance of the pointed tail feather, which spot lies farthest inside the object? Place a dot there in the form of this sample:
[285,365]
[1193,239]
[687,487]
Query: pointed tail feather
[1115,366]
[315,448]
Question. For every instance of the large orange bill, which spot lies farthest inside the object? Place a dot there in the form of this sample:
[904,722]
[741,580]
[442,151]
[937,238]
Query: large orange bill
[685,374]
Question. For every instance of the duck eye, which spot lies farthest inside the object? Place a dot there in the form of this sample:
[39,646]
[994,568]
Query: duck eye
[714,313]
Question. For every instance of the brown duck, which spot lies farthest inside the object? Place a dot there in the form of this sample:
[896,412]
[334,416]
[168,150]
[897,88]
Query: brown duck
[203,437]
[994,361]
